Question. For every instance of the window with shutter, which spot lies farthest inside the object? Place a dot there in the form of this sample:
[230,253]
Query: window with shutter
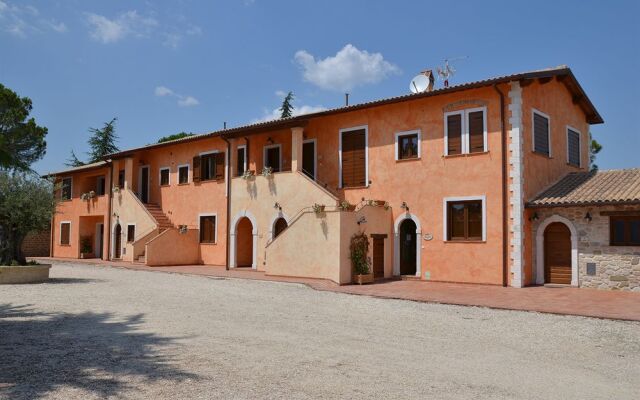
[476,131]
[121,178]
[240,160]
[354,158]
[207,229]
[183,174]
[465,131]
[454,134]
[65,233]
[164,176]
[465,220]
[219,166]
[625,230]
[541,133]
[272,157]
[65,189]
[210,167]
[573,147]
[196,169]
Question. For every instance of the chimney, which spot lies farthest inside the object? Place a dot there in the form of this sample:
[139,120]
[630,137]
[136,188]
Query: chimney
[429,74]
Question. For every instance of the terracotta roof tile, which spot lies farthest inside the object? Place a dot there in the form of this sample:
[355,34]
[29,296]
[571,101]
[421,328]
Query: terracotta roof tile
[592,188]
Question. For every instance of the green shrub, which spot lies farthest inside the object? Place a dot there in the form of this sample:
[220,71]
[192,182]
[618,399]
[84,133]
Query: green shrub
[359,250]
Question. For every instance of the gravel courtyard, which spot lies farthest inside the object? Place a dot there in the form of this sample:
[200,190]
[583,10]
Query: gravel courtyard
[97,332]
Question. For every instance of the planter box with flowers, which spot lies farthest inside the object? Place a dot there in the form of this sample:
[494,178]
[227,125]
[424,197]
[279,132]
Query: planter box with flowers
[318,208]
[360,261]
[247,175]
[267,172]
[346,206]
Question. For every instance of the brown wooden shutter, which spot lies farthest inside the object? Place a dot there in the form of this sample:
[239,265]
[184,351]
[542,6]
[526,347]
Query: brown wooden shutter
[219,167]
[196,169]
[573,141]
[354,161]
[476,132]
[65,233]
[541,134]
[454,134]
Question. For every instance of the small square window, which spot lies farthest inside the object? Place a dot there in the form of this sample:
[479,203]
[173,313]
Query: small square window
[465,220]
[408,145]
[131,233]
[625,230]
[164,176]
[207,229]
[183,174]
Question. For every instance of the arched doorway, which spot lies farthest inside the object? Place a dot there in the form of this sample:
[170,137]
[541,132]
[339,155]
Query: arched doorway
[117,241]
[244,243]
[408,239]
[278,226]
[557,254]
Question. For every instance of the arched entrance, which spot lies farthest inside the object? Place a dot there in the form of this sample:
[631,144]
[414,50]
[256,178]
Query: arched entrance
[244,243]
[278,226]
[408,239]
[117,241]
[557,254]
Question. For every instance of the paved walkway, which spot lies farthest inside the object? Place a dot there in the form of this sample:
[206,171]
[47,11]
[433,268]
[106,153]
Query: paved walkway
[564,300]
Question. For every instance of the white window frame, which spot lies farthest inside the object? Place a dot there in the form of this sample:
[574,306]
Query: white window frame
[70,186]
[445,217]
[264,154]
[533,132]
[398,135]
[315,156]
[134,234]
[215,230]
[60,234]
[244,151]
[188,166]
[465,129]
[160,176]
[366,152]
[568,128]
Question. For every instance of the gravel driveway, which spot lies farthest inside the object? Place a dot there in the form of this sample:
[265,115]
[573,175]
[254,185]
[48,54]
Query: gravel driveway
[97,332]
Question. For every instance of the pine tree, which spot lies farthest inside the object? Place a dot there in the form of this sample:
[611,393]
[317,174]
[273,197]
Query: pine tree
[594,148]
[286,109]
[73,160]
[102,141]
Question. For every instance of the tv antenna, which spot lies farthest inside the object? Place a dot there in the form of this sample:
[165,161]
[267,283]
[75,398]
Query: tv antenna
[447,71]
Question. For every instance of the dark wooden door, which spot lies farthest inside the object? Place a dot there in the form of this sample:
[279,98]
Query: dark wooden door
[408,247]
[378,257]
[309,159]
[557,254]
[144,185]
[273,158]
[117,253]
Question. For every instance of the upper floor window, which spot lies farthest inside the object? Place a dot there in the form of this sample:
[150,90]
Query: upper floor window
[466,131]
[121,178]
[573,147]
[241,160]
[65,190]
[208,229]
[407,145]
[65,233]
[164,176]
[100,185]
[625,230]
[183,174]
[273,157]
[465,219]
[541,133]
[353,157]
[208,166]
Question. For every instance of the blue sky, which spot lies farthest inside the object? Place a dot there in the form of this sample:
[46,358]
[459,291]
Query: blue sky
[166,67]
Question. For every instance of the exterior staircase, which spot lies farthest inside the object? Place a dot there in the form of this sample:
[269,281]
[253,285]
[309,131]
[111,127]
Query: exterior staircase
[163,222]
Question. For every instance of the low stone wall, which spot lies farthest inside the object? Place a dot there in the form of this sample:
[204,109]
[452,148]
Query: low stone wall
[600,265]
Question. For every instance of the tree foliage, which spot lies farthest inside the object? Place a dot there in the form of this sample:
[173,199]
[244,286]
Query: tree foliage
[286,109]
[175,136]
[102,142]
[22,141]
[26,204]
[594,149]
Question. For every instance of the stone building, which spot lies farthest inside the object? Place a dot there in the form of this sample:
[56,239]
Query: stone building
[587,227]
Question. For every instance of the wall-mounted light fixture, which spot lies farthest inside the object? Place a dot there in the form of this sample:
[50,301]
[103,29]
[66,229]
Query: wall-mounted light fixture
[269,140]
[534,217]
[588,216]
[277,206]
[404,206]
[362,220]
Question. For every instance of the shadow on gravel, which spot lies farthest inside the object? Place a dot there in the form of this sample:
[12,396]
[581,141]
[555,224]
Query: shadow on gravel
[41,352]
[72,280]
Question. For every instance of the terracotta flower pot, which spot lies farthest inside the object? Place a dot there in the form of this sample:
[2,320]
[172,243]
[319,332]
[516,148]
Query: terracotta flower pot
[363,279]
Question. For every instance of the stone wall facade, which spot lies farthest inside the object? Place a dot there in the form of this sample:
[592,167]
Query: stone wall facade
[600,265]
[37,244]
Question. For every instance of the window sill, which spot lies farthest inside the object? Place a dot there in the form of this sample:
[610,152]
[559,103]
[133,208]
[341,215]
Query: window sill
[211,180]
[542,155]
[465,241]
[354,187]
[165,185]
[208,243]
[402,160]
[574,165]
[183,184]
[479,153]
[64,245]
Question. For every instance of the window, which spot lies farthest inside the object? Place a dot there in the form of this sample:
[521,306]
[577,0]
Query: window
[279,226]
[241,160]
[465,220]
[100,186]
[183,174]
[573,147]
[164,176]
[208,167]
[121,178]
[65,233]
[353,157]
[541,133]
[407,145]
[273,157]
[466,131]
[65,190]
[625,231]
[208,229]
[131,233]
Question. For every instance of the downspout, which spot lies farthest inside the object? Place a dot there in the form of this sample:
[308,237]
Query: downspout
[505,200]
[108,230]
[228,244]
[51,239]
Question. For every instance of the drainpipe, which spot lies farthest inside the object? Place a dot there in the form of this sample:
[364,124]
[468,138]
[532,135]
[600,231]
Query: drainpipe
[505,188]
[228,251]
[108,230]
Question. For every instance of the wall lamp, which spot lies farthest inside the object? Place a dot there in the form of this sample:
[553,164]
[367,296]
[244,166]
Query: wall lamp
[277,206]
[404,206]
[534,217]
[361,220]
[269,140]
[588,216]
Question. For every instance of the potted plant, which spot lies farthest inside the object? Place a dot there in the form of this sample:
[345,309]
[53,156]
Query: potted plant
[346,206]
[116,189]
[248,174]
[266,172]
[86,250]
[318,208]
[360,261]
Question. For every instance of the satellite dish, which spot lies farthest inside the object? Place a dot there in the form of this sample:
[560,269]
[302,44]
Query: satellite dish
[419,84]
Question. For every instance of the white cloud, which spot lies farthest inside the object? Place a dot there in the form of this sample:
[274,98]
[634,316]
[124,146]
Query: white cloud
[21,21]
[349,68]
[59,27]
[183,101]
[280,93]
[301,110]
[129,23]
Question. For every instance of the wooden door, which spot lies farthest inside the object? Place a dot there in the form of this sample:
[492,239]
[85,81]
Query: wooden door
[557,254]
[309,159]
[144,184]
[273,158]
[408,247]
[117,241]
[378,257]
